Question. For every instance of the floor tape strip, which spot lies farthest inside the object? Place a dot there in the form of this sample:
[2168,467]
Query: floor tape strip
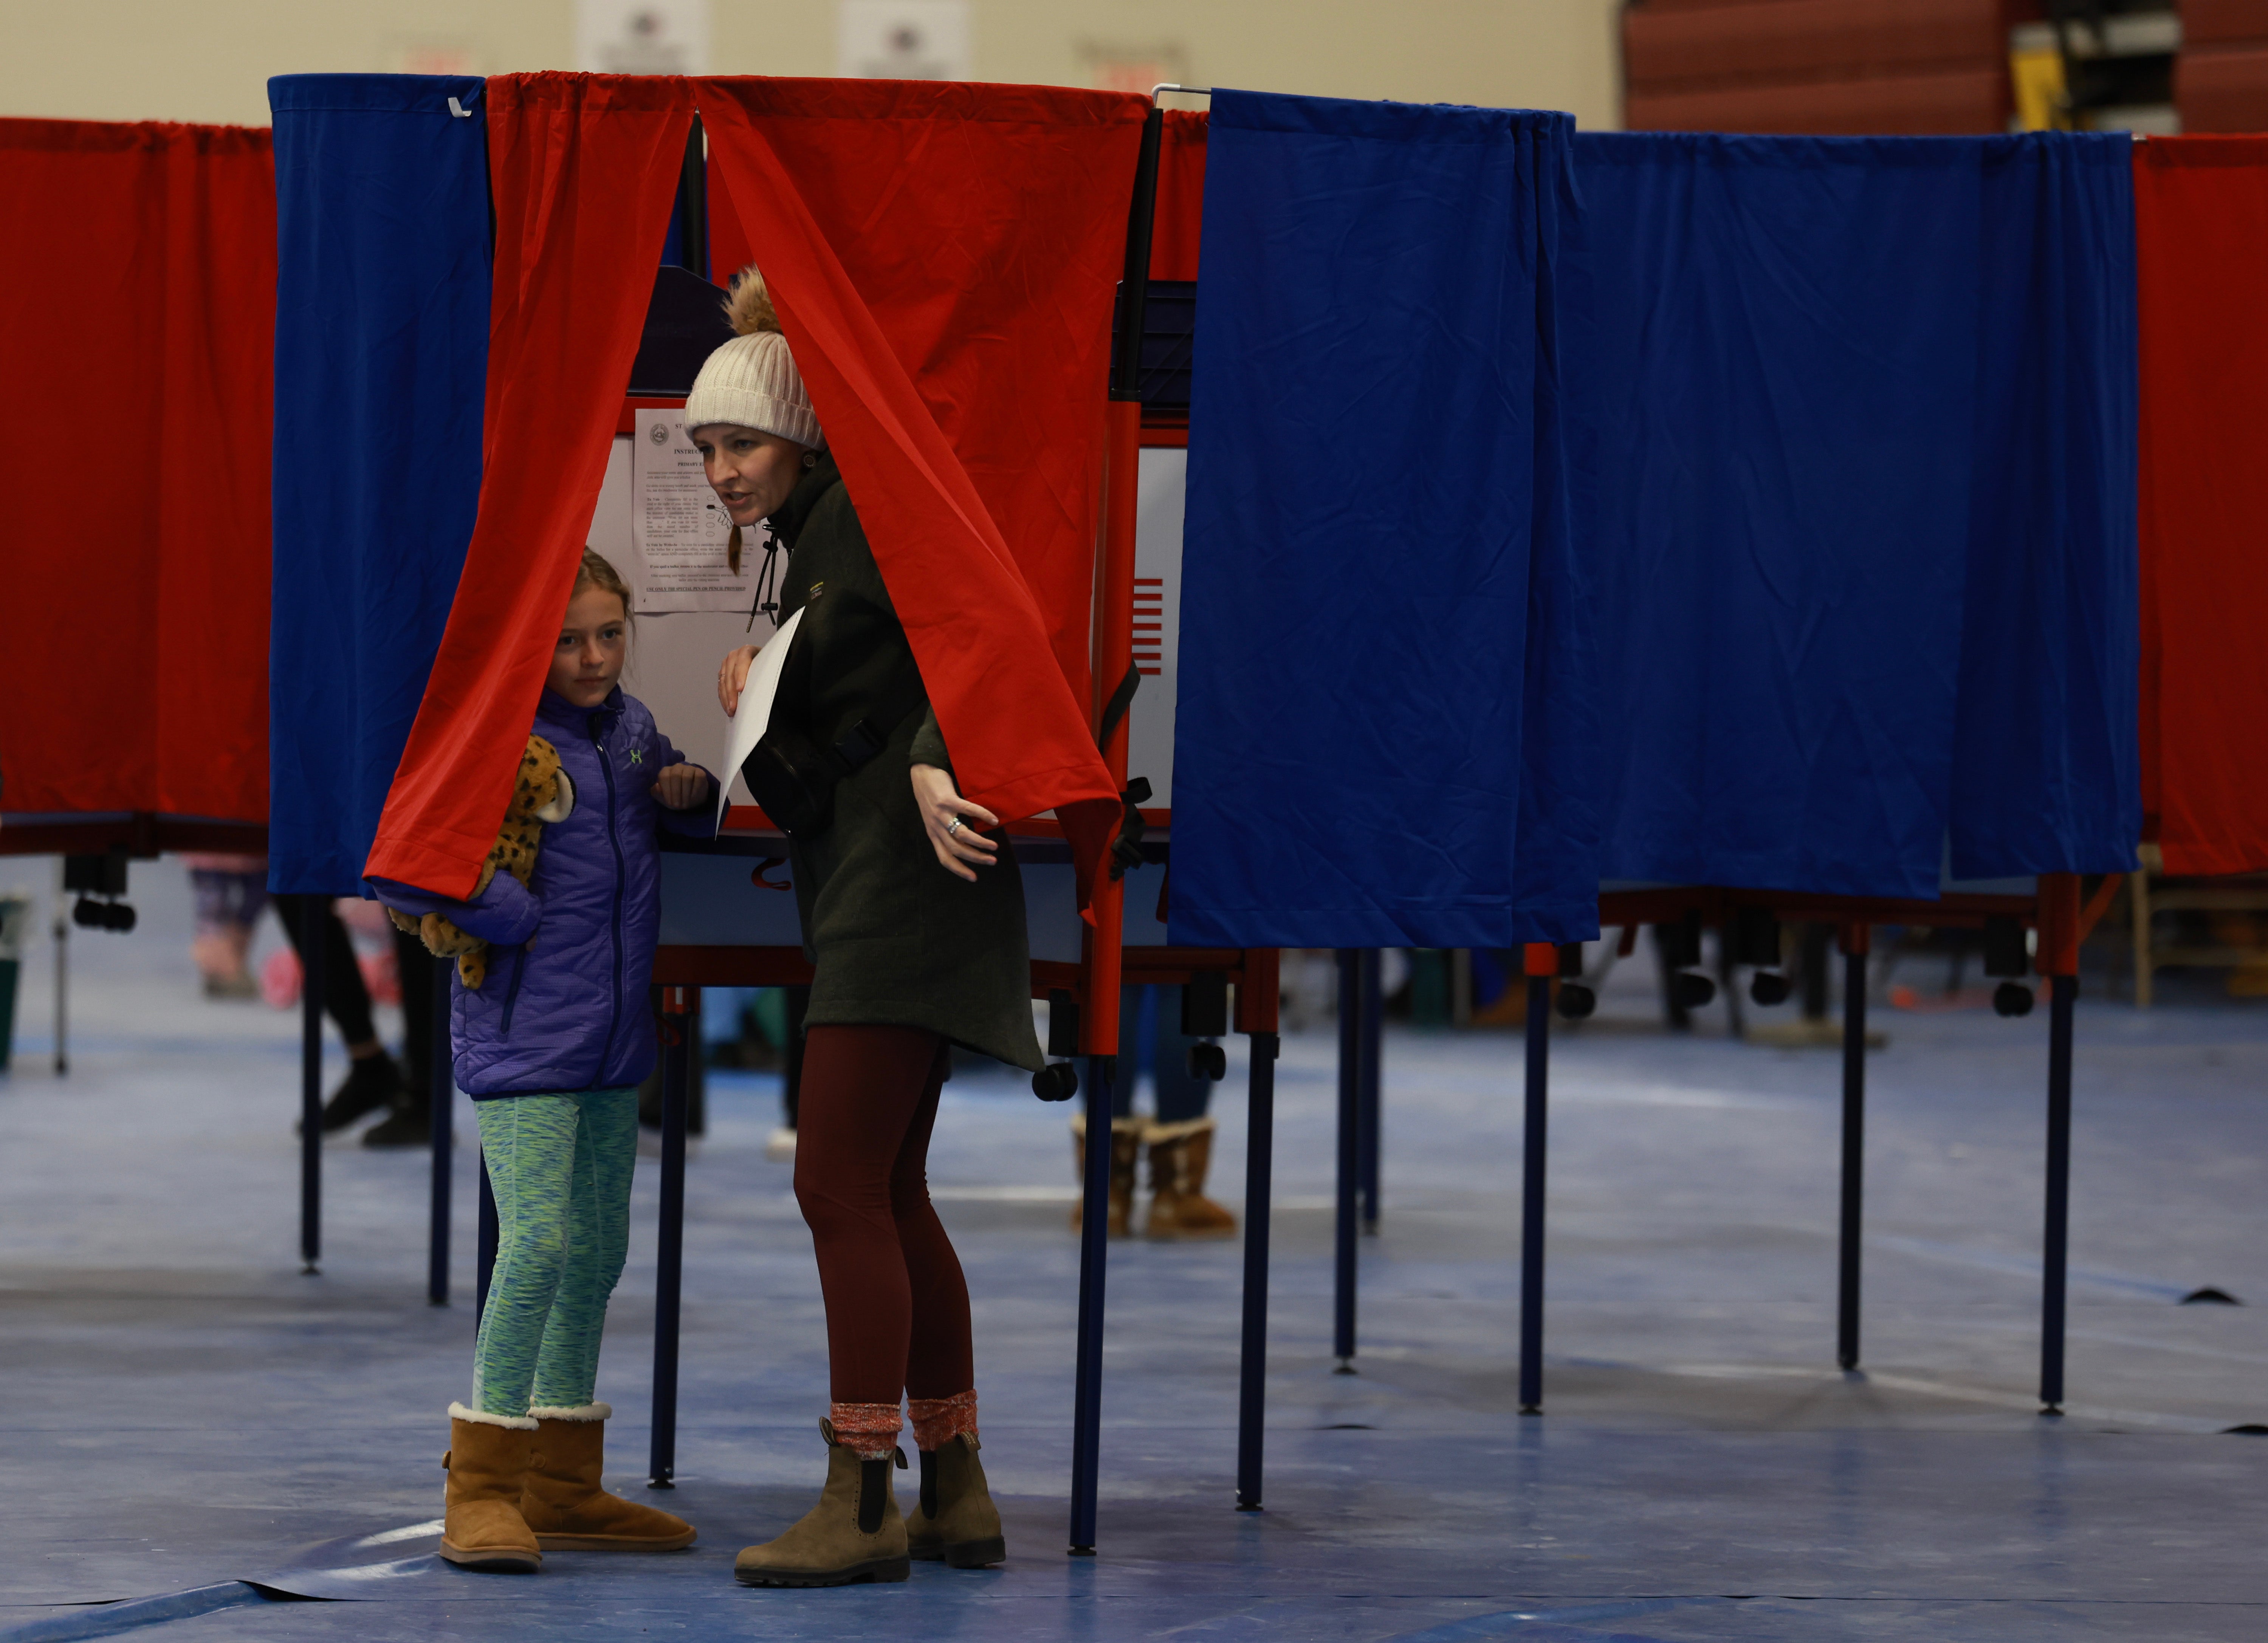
[103,1620]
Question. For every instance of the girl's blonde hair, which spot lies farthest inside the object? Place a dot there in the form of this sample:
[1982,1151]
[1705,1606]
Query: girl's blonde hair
[595,571]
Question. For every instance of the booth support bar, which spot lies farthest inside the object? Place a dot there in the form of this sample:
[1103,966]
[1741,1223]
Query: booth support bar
[678,1039]
[441,1118]
[1854,1148]
[1094,1266]
[1252,1369]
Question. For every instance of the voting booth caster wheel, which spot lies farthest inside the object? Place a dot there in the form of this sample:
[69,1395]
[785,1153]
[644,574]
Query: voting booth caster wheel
[1209,1062]
[92,915]
[1693,991]
[1056,1081]
[1576,1003]
[2012,999]
[1768,989]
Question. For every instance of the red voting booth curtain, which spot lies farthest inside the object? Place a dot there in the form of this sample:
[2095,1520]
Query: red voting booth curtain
[982,220]
[581,169]
[983,228]
[2201,222]
[137,324]
[1180,216]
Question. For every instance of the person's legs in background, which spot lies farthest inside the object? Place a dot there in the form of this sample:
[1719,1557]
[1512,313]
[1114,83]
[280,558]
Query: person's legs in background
[230,891]
[1126,1127]
[793,1001]
[373,1078]
[1181,1136]
[410,1124]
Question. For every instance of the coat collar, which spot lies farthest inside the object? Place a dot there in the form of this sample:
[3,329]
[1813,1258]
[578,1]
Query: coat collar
[555,711]
[788,519]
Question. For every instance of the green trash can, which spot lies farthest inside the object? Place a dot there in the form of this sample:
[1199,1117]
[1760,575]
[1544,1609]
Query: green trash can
[15,920]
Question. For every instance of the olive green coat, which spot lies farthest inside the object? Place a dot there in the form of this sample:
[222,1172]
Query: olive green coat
[894,937]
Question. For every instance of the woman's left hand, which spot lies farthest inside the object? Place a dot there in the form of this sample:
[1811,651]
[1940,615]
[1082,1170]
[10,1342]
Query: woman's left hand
[681,786]
[952,824]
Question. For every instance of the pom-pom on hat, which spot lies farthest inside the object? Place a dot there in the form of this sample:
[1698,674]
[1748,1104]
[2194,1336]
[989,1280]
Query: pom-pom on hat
[752,381]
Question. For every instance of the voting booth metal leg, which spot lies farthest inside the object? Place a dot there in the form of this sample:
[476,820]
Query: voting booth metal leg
[441,1091]
[1854,1148]
[63,977]
[677,1050]
[312,911]
[1367,1091]
[1350,1163]
[1532,1178]
[485,1248]
[2062,991]
[1252,1366]
[1094,1266]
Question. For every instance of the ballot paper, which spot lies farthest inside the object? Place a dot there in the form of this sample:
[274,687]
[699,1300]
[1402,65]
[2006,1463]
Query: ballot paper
[754,715]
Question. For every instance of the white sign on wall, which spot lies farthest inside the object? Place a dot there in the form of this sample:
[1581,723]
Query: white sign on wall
[902,40]
[642,36]
[680,532]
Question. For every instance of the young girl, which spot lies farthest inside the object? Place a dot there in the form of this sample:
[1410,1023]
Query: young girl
[551,1047]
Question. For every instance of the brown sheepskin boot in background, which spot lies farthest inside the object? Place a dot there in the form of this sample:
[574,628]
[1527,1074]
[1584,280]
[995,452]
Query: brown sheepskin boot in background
[481,1527]
[956,1521]
[563,1502]
[1180,1155]
[854,1533]
[1125,1153]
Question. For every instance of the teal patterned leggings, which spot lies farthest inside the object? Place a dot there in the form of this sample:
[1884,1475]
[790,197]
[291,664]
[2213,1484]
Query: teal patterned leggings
[561,1169]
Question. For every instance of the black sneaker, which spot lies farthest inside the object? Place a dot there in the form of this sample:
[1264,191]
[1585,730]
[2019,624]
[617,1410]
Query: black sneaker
[372,1082]
[410,1124]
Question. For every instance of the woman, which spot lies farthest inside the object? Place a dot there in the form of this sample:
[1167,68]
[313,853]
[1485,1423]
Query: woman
[913,918]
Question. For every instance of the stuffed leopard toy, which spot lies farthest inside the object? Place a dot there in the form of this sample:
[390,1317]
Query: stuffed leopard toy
[541,794]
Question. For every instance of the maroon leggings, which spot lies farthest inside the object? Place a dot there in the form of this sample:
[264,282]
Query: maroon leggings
[897,1307]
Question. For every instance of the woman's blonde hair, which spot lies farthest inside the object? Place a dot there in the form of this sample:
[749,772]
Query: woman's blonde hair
[595,571]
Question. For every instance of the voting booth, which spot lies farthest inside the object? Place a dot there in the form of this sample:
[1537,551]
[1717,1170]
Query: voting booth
[1749,535]
[950,263]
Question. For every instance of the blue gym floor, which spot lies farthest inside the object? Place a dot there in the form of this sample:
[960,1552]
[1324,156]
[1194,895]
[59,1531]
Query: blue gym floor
[192,1432]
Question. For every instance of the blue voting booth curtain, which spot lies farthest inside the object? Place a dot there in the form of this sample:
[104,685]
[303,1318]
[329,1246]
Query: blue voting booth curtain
[1383,734]
[381,367]
[2046,751]
[1854,421]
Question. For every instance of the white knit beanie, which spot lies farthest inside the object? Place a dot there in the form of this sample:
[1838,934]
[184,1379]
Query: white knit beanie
[752,381]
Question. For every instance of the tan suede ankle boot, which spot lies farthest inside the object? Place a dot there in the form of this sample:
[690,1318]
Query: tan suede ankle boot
[486,1460]
[956,1521]
[562,1501]
[1125,1153]
[1180,1155]
[854,1533]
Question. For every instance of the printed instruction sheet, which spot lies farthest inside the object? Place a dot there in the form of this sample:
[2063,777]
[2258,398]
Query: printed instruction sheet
[678,528]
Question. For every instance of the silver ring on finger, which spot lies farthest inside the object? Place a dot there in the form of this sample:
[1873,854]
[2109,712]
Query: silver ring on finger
[952,827]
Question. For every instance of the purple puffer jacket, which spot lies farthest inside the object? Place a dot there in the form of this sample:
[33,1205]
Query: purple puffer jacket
[570,954]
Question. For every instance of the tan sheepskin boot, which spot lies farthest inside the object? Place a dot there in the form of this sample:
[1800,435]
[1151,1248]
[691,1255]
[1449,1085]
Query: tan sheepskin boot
[1125,1153]
[481,1527]
[562,1501]
[1180,1155]
[956,1523]
[854,1533]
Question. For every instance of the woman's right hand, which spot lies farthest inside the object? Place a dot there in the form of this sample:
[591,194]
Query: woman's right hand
[732,673]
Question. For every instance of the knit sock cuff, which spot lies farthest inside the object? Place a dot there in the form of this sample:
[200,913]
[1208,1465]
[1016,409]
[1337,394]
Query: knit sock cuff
[939,1420]
[570,1411]
[485,1418]
[868,1430]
